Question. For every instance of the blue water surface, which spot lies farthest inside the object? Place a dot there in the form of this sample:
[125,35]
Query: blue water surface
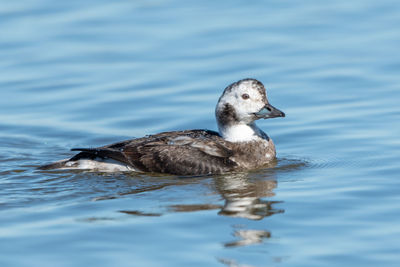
[89,73]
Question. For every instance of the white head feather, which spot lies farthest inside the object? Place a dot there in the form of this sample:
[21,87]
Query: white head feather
[237,108]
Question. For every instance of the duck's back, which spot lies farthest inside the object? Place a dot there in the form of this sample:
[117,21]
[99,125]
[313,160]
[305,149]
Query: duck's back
[192,152]
[189,152]
[185,153]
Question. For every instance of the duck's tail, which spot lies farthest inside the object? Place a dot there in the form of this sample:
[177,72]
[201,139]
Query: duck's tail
[55,165]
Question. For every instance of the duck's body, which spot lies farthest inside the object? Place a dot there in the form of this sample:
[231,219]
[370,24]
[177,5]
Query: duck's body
[241,145]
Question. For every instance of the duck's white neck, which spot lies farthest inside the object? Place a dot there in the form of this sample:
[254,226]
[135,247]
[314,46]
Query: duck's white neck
[241,132]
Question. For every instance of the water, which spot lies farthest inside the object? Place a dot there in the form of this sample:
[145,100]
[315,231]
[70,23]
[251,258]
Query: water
[76,74]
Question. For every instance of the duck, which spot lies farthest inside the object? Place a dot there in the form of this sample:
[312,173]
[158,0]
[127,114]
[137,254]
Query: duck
[239,145]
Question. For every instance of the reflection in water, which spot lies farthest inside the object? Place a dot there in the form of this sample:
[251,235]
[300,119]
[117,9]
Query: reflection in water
[194,207]
[140,213]
[242,193]
[242,196]
[232,263]
[245,196]
[248,237]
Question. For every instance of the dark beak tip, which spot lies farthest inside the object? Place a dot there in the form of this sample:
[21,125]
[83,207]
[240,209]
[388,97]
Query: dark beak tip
[283,115]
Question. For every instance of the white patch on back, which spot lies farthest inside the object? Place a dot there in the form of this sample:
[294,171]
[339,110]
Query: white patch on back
[98,164]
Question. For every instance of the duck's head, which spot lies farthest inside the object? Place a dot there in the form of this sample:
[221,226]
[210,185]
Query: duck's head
[243,102]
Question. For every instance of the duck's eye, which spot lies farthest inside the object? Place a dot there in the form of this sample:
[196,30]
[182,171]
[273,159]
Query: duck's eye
[245,96]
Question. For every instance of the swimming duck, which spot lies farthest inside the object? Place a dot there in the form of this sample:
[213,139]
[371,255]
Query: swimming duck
[239,145]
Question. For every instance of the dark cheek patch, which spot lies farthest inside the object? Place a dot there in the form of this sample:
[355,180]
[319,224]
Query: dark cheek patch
[227,115]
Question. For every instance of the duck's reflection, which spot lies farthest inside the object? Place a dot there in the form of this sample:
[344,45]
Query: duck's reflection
[248,237]
[242,194]
[245,196]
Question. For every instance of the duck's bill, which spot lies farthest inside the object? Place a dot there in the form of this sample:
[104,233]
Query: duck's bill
[269,111]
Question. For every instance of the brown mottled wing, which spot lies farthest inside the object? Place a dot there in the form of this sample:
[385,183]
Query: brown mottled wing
[182,153]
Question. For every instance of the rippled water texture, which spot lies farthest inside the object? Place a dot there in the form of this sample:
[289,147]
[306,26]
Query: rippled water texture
[88,73]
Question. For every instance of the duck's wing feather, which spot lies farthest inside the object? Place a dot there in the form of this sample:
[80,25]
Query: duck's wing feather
[183,153]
